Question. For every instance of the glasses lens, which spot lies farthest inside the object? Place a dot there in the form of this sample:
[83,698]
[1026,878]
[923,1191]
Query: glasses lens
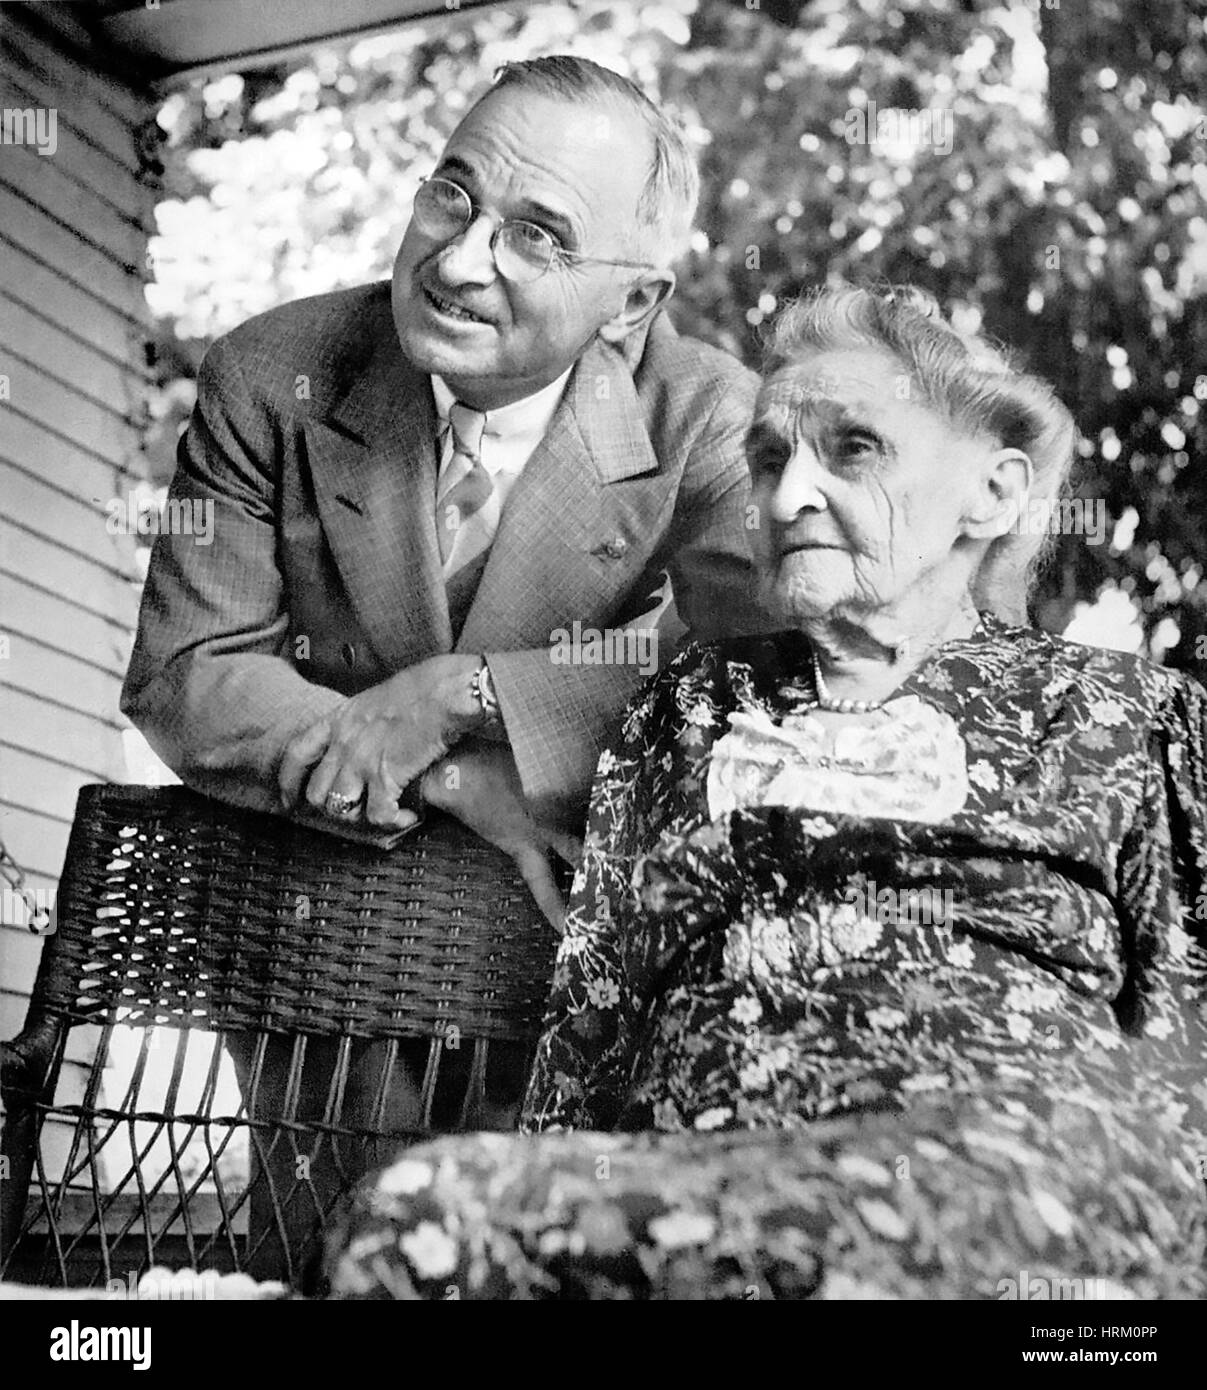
[523,251]
[442,208]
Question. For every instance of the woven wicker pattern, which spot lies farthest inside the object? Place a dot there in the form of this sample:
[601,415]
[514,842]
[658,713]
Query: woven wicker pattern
[365,998]
[191,913]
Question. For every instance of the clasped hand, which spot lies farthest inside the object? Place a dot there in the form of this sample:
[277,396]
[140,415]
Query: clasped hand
[379,741]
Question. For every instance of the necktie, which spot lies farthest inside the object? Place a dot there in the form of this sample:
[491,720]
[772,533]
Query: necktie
[469,486]
[462,524]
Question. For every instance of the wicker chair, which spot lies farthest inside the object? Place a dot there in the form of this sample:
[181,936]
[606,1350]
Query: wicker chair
[367,998]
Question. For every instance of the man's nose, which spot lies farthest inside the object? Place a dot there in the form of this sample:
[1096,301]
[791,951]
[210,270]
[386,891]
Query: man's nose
[799,487]
[468,259]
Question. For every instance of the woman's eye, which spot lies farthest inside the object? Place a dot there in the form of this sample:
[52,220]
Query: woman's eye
[856,444]
[768,461]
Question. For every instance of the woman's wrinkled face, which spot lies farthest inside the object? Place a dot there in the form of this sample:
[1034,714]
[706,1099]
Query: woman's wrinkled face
[861,486]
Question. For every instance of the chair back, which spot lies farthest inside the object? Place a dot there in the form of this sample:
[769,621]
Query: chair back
[236,1017]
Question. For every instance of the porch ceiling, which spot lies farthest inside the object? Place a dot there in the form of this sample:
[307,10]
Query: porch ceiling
[174,38]
[178,37]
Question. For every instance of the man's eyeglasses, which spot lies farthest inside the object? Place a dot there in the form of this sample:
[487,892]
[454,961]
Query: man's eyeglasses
[522,251]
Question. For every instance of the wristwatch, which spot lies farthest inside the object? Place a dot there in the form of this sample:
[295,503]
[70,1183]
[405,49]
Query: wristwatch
[483,688]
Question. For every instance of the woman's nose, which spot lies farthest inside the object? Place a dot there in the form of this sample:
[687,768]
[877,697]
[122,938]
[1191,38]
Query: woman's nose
[470,258]
[799,486]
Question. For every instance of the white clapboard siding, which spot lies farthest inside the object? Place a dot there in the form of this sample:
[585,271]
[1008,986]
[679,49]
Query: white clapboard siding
[93,372]
[39,841]
[39,395]
[71,203]
[62,737]
[106,130]
[27,445]
[108,178]
[61,624]
[71,283]
[49,40]
[37,667]
[99,582]
[78,523]
[73,254]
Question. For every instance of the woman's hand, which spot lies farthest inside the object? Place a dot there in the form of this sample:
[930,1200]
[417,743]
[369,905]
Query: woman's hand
[479,784]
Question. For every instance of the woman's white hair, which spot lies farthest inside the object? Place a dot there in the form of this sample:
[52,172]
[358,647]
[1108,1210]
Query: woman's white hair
[977,386]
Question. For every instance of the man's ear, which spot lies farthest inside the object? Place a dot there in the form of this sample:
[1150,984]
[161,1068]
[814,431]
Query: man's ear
[643,300]
[1001,495]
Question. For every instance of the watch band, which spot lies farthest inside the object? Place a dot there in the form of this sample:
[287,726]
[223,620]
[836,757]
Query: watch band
[483,688]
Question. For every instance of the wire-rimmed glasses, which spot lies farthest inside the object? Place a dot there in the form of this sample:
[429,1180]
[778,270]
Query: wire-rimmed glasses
[523,251]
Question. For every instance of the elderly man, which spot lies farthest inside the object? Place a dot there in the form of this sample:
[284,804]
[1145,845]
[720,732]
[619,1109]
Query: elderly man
[411,506]
[422,497]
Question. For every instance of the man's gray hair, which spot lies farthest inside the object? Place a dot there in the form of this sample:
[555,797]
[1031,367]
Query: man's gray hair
[666,206]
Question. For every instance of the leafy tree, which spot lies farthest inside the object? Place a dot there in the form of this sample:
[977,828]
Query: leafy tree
[1051,190]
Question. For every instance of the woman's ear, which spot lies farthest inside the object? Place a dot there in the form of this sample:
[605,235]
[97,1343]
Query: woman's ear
[1000,501]
[644,297]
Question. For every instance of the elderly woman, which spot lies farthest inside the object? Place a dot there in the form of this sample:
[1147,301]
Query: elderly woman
[884,973]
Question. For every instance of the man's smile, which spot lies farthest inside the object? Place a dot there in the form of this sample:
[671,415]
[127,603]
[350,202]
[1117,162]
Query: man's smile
[449,308]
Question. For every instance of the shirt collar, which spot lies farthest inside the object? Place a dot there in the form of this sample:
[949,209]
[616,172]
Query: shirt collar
[523,418]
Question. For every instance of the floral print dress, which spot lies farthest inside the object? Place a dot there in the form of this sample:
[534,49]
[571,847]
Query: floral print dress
[909,1007]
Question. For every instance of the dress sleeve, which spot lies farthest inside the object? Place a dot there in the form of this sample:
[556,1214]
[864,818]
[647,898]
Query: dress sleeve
[1163,901]
[583,1057]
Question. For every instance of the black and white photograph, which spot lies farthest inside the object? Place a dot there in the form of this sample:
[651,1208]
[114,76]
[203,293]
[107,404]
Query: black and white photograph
[603,639]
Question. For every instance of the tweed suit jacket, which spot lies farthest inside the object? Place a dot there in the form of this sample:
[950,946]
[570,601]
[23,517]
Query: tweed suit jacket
[316,441]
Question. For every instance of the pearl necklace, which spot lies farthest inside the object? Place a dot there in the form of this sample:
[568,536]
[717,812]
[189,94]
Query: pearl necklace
[826,701]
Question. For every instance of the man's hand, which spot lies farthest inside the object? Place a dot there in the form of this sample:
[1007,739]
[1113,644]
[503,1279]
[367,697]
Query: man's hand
[479,785]
[382,739]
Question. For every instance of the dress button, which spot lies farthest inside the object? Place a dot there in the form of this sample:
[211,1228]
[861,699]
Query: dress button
[348,652]
[615,549]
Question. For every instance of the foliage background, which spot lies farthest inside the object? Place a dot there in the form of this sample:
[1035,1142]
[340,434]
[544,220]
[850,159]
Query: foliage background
[1069,218]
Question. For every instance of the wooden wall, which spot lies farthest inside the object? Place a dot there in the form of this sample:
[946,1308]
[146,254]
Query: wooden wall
[73,239]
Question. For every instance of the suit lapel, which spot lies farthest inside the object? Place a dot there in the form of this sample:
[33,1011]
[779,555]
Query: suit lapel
[373,463]
[591,488]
